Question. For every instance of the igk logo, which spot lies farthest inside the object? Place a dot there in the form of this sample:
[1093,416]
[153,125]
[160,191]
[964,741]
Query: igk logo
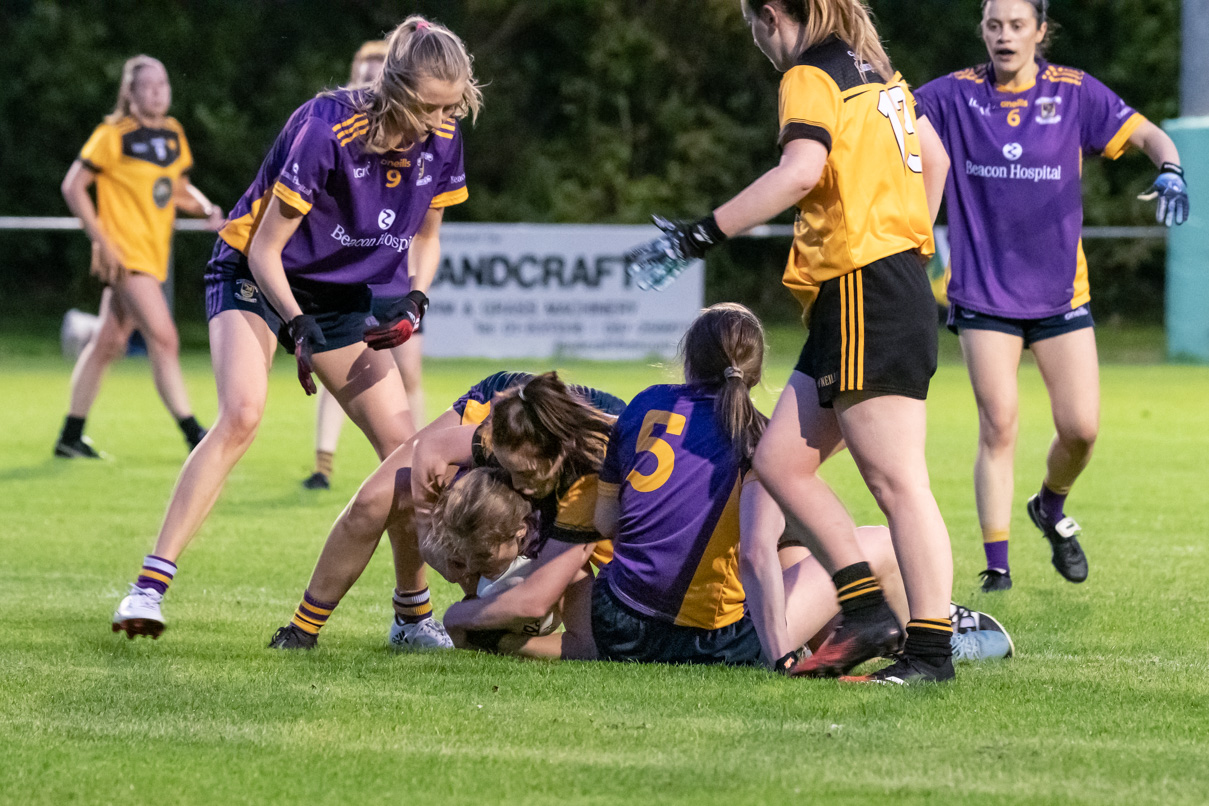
[360,173]
[1013,151]
[386,218]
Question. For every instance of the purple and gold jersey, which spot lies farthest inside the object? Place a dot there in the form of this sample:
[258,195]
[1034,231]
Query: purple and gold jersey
[475,405]
[676,478]
[1013,195]
[360,210]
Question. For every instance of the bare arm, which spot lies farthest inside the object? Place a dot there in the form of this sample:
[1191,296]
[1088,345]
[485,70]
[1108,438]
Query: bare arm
[435,451]
[1155,143]
[936,165]
[189,199]
[424,256]
[106,257]
[760,525]
[608,511]
[278,224]
[532,599]
[795,176]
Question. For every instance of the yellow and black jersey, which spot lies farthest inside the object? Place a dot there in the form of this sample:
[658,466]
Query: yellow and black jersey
[870,201]
[137,170]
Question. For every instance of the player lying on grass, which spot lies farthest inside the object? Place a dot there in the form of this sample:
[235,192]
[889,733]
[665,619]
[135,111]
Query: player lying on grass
[695,576]
[384,503]
[671,494]
[550,443]
[484,536]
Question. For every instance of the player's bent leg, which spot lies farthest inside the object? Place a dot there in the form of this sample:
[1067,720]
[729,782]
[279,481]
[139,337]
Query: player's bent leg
[799,438]
[367,385]
[1069,366]
[886,436]
[993,360]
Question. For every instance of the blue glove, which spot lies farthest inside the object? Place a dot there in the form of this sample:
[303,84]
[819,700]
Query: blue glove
[654,265]
[1172,193]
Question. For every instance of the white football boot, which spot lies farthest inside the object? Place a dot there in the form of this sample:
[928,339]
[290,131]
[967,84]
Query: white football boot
[426,634]
[139,613]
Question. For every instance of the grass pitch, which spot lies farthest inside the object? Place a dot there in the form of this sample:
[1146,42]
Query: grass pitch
[1107,701]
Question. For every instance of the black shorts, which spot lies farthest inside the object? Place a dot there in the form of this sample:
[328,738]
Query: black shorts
[1030,330]
[383,305]
[873,330]
[622,634]
[342,311]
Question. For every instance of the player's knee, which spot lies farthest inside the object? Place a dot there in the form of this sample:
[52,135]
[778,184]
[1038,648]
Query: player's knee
[110,346]
[163,342]
[367,514]
[1079,437]
[238,422]
[997,428]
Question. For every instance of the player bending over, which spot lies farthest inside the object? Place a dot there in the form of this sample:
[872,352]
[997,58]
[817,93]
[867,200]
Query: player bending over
[385,503]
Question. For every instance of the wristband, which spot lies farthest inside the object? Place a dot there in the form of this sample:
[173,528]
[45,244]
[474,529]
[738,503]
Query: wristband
[1171,168]
[705,233]
[786,663]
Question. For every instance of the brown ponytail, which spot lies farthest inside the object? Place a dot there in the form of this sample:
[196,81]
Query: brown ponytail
[724,349]
[546,417]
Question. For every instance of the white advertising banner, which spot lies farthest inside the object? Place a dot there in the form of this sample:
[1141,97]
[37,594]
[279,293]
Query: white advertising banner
[552,290]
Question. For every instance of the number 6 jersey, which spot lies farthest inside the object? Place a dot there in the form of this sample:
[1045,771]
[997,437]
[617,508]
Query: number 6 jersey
[676,478]
[870,201]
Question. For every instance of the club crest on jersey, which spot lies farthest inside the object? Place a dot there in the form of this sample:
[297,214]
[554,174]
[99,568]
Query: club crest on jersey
[1049,110]
[247,291]
[1013,151]
[386,218]
[161,192]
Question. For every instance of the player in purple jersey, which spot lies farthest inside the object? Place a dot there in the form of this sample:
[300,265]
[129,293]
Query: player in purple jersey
[329,417]
[1016,130]
[355,179]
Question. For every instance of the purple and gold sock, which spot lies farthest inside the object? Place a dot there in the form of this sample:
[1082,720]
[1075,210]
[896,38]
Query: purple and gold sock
[1051,504]
[156,575]
[995,545]
[312,614]
[413,606]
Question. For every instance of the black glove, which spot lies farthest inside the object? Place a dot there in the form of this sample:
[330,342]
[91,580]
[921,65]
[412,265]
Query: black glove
[655,264]
[402,322]
[305,333]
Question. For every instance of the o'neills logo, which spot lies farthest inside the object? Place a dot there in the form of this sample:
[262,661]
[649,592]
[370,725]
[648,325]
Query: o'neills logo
[385,239]
[1045,173]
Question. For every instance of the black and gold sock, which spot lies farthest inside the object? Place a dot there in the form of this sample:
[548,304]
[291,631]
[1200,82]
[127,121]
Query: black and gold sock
[857,589]
[929,639]
[413,606]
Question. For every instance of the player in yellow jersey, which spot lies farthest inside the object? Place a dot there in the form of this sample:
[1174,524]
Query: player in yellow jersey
[855,163]
[139,160]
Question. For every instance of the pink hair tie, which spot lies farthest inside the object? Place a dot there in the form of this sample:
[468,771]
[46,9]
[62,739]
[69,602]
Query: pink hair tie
[422,25]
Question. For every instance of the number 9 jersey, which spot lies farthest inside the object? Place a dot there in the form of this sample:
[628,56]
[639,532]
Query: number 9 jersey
[869,202]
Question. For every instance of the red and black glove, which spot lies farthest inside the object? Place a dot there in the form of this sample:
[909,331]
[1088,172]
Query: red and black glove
[400,324]
[305,333]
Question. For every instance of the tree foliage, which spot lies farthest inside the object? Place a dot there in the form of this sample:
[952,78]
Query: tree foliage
[596,110]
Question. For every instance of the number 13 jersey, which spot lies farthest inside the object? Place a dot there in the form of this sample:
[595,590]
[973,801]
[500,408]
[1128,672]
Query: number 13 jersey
[869,202]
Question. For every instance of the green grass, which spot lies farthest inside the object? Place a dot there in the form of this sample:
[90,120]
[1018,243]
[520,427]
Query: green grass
[1107,702]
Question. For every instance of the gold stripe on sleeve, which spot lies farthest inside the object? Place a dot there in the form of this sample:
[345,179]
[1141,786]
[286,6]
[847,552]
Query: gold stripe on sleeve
[450,198]
[291,197]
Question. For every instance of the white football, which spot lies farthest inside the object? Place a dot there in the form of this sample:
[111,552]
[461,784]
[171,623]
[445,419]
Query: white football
[513,576]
